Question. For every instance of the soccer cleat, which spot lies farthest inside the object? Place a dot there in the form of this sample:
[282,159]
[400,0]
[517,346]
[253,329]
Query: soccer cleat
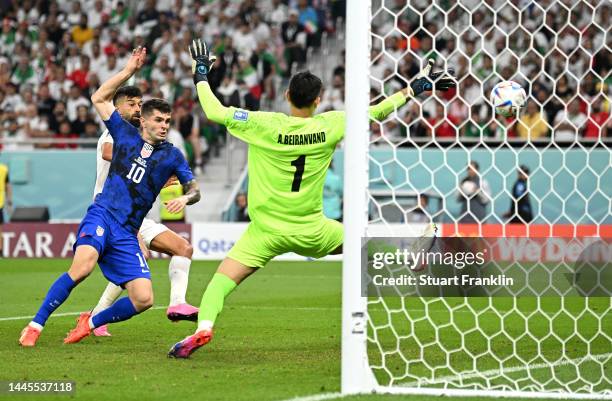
[81,331]
[101,331]
[29,336]
[190,344]
[182,312]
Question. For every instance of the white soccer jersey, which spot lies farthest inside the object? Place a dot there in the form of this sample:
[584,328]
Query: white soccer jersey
[102,166]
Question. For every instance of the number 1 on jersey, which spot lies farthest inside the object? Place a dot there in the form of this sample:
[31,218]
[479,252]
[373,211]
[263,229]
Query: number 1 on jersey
[299,164]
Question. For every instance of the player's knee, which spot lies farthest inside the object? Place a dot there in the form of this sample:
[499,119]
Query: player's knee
[142,301]
[185,249]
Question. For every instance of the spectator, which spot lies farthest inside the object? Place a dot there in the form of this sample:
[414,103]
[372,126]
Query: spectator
[332,195]
[91,132]
[309,19]
[82,33]
[65,132]
[33,125]
[294,39]
[45,102]
[108,69]
[245,41]
[78,125]
[569,126]
[24,73]
[75,99]
[520,206]
[333,98]
[474,195]
[597,126]
[242,211]
[59,116]
[120,14]
[80,76]
[532,124]
[443,127]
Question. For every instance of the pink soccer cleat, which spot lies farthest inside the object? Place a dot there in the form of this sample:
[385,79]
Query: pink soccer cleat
[102,331]
[190,344]
[182,312]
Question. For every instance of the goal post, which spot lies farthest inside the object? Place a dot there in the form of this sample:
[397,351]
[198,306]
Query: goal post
[356,374]
[556,347]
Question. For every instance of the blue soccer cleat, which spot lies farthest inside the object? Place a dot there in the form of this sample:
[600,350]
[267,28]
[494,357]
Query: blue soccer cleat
[190,344]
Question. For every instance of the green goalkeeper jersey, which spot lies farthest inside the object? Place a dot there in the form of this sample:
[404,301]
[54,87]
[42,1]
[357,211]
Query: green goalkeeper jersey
[287,161]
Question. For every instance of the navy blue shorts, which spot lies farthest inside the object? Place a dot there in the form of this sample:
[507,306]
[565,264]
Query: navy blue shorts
[119,255]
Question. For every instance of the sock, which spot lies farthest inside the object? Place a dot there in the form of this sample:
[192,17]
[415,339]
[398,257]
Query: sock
[121,310]
[56,296]
[179,277]
[212,301]
[110,295]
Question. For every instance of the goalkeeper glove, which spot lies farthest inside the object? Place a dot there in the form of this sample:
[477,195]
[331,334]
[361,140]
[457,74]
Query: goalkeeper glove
[201,61]
[428,81]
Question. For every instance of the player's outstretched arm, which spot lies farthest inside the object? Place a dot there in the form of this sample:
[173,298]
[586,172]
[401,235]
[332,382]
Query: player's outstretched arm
[102,99]
[201,64]
[192,195]
[426,81]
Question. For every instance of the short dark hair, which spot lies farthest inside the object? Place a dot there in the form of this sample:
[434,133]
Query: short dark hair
[304,88]
[475,164]
[155,104]
[127,91]
[524,169]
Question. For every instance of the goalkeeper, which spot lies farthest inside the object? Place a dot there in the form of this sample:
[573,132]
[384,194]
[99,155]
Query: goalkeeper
[288,159]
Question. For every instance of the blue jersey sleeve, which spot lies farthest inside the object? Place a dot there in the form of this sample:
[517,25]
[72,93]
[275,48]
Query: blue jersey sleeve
[182,170]
[118,127]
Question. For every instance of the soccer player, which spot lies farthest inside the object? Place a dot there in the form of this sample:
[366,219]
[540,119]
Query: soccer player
[288,161]
[142,163]
[152,235]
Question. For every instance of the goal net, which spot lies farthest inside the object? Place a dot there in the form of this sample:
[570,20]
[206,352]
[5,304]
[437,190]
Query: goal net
[449,159]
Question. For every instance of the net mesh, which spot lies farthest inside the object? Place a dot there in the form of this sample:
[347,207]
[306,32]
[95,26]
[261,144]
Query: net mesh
[559,51]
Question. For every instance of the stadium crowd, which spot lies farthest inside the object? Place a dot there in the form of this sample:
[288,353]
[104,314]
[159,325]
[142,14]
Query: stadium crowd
[54,54]
[560,51]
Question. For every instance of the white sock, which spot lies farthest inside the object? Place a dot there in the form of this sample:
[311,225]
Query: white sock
[90,322]
[179,277]
[109,296]
[204,325]
[35,325]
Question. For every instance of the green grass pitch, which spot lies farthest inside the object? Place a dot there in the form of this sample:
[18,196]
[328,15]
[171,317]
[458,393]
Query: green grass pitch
[277,338]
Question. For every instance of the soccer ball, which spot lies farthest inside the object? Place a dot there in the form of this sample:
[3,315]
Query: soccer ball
[507,97]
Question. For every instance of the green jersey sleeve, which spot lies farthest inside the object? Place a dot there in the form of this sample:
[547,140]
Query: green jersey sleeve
[253,127]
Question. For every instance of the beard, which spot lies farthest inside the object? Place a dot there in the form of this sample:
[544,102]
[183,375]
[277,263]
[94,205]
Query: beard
[135,121]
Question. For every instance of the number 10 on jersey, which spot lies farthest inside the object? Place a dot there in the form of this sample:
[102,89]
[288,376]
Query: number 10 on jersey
[136,173]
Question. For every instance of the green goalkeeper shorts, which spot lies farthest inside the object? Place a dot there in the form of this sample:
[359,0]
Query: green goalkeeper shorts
[256,247]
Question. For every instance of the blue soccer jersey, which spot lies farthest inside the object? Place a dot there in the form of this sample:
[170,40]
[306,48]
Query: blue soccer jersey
[137,173]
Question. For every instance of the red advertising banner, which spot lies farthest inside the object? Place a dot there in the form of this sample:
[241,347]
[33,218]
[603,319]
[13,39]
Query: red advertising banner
[522,230]
[48,240]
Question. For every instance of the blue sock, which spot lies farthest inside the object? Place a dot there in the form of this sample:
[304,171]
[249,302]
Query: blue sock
[56,296]
[121,310]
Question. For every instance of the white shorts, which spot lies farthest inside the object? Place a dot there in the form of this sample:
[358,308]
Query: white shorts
[150,229]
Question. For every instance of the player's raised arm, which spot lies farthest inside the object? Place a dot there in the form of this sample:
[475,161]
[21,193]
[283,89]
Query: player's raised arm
[426,81]
[201,64]
[102,99]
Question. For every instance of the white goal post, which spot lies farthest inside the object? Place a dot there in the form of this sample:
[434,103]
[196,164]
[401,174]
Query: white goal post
[557,348]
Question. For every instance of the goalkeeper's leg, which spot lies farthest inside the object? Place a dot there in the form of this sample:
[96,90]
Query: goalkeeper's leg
[229,274]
